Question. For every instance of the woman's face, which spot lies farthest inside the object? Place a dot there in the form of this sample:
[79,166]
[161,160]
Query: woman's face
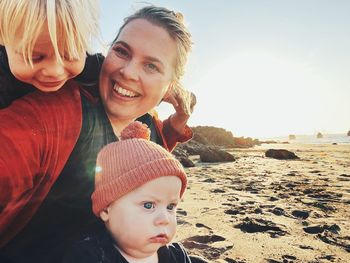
[137,71]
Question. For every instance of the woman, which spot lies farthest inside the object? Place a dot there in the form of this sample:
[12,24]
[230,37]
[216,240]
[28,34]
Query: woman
[50,141]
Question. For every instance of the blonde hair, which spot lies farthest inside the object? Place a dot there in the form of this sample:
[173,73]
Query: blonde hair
[74,23]
[173,23]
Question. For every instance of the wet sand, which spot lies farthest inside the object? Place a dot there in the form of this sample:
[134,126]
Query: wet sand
[259,209]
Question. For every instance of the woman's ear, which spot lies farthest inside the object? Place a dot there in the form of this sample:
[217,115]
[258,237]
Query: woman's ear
[104,214]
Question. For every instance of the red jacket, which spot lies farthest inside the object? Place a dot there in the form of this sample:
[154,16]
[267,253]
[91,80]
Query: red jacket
[36,138]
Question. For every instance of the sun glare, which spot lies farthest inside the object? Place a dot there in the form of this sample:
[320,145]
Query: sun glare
[261,95]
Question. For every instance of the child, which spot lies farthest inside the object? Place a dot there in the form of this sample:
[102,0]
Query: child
[43,44]
[138,185]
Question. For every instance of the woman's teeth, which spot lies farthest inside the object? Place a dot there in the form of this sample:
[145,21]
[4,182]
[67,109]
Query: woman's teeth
[124,92]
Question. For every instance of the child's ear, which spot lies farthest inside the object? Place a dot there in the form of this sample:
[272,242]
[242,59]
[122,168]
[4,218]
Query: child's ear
[104,215]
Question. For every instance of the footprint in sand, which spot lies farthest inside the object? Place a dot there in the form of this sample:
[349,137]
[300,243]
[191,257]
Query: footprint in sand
[252,225]
[204,243]
[301,214]
[285,259]
[200,225]
[230,260]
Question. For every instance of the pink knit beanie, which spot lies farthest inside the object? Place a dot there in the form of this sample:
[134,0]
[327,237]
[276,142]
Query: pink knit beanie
[125,165]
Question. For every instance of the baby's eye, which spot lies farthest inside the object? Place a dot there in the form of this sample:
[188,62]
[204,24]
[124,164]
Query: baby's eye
[171,206]
[148,205]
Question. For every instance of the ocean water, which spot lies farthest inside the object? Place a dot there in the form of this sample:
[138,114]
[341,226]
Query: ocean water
[312,139]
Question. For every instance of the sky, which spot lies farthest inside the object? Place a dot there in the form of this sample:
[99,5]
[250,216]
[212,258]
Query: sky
[261,68]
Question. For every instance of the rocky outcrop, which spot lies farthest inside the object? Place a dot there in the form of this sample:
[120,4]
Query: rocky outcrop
[291,137]
[214,136]
[205,152]
[348,133]
[319,135]
[280,154]
[183,157]
[212,155]
[209,143]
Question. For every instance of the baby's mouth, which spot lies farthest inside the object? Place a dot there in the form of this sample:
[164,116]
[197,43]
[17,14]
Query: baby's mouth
[161,238]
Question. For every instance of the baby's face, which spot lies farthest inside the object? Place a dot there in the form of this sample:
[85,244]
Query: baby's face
[145,219]
[47,73]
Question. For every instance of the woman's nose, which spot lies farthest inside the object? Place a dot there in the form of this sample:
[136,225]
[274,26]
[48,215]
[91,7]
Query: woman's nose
[130,71]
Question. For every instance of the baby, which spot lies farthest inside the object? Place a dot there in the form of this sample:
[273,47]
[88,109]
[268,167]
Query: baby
[138,185]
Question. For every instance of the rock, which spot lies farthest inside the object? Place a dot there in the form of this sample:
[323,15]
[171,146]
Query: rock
[348,133]
[186,162]
[214,136]
[291,137]
[280,154]
[192,147]
[319,135]
[211,155]
[182,156]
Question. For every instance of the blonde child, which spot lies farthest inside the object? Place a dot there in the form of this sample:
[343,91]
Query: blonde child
[43,43]
[138,185]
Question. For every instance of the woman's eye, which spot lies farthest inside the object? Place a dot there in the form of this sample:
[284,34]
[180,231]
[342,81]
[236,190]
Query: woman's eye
[171,206]
[152,67]
[148,205]
[121,52]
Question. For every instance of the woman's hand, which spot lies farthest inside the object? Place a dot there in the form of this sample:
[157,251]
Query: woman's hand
[183,103]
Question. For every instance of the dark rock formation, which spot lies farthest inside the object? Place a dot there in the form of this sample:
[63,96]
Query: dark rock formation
[209,135]
[211,155]
[186,162]
[213,136]
[206,153]
[348,133]
[280,154]
[319,135]
[208,142]
[183,157]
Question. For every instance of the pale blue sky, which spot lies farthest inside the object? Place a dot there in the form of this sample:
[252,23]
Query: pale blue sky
[262,68]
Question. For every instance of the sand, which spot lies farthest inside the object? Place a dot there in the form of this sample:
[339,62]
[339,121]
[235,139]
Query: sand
[259,209]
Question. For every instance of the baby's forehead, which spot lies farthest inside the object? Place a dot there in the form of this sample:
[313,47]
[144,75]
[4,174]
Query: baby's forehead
[162,188]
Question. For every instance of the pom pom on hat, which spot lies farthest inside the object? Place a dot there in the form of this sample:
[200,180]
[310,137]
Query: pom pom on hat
[136,129]
[123,166]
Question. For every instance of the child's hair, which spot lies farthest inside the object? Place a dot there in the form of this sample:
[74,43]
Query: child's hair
[123,166]
[173,23]
[72,23]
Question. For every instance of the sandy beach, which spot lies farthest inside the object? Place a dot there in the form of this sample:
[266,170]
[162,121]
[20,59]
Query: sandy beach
[259,209]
